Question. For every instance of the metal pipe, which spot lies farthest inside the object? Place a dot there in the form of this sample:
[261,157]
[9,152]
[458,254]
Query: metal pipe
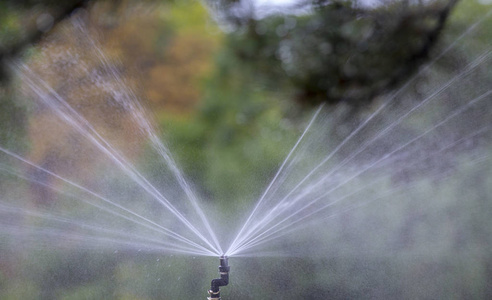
[214,292]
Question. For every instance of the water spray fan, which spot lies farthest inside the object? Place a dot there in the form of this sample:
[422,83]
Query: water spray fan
[214,292]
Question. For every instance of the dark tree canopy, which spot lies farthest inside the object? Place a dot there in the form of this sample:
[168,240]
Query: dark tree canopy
[337,51]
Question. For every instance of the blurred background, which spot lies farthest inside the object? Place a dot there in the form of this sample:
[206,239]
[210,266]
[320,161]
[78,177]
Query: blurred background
[231,85]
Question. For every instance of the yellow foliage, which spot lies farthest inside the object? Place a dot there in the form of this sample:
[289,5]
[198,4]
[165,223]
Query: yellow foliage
[156,58]
[174,84]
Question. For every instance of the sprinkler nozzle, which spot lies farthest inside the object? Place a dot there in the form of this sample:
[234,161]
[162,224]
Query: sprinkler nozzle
[214,292]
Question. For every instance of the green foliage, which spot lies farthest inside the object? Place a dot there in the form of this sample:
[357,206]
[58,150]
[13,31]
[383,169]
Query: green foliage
[10,26]
[97,290]
[20,289]
[13,120]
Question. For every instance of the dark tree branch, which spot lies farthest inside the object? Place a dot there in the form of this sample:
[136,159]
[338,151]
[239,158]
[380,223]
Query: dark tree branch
[34,35]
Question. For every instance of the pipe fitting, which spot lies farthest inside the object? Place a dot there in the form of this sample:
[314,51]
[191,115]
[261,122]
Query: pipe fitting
[214,292]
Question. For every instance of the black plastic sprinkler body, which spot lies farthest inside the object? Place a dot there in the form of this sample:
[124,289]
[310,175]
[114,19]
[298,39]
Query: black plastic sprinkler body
[214,292]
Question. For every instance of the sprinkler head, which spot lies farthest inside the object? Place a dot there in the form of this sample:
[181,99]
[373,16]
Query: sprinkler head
[214,292]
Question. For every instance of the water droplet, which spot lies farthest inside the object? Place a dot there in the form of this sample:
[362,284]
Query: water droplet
[290,23]
[44,22]
[281,31]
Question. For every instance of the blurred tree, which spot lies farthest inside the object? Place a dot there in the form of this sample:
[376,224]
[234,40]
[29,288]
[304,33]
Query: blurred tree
[336,51]
[188,44]
[23,23]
